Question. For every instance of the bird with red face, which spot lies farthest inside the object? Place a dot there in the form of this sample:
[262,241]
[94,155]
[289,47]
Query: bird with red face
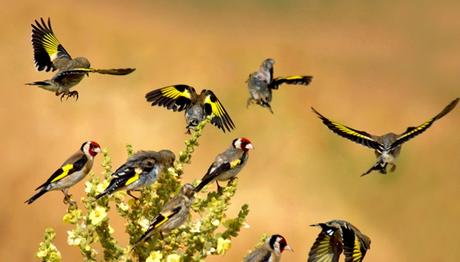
[74,169]
[228,163]
[270,251]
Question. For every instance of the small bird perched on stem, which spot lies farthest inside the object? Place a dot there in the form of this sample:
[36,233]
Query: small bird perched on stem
[271,250]
[197,107]
[172,215]
[140,170]
[74,169]
[337,236]
[261,84]
[227,164]
[388,146]
[50,54]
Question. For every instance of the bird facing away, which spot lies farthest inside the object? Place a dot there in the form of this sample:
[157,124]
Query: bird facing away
[74,169]
[227,164]
[388,146]
[50,54]
[172,215]
[140,170]
[337,236]
[197,107]
[261,84]
[271,250]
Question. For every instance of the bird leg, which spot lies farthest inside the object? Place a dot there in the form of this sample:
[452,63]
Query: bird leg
[377,166]
[131,195]
[249,102]
[68,94]
[220,189]
[393,167]
[68,198]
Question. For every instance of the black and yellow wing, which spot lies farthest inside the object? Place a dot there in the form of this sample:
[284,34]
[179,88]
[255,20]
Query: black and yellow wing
[212,106]
[411,132]
[46,46]
[354,250]
[113,71]
[327,247]
[175,97]
[65,170]
[159,220]
[290,80]
[354,135]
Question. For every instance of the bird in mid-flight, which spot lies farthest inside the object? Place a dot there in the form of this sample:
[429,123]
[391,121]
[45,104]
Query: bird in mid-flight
[261,84]
[388,146]
[50,55]
[197,107]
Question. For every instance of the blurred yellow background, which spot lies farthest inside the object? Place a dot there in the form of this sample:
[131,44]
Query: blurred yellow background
[378,66]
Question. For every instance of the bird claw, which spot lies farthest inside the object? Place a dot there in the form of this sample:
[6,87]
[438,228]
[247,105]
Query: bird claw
[69,94]
[68,201]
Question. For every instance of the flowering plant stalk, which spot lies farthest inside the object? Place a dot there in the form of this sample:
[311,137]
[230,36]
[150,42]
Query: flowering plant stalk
[208,231]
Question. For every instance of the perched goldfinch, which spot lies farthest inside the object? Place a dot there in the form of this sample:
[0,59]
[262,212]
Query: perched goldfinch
[173,214]
[74,169]
[388,146]
[337,236]
[140,170]
[261,84]
[270,252]
[49,54]
[228,163]
[197,107]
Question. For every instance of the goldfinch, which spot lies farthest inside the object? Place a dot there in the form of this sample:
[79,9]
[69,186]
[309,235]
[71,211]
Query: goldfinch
[74,169]
[261,84]
[228,163]
[49,54]
[172,215]
[337,236]
[270,252]
[140,170]
[388,146]
[197,107]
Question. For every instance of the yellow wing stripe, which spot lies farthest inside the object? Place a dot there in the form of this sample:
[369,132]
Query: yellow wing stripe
[172,92]
[293,77]
[50,43]
[417,129]
[65,172]
[133,179]
[350,132]
[357,256]
[235,163]
[216,107]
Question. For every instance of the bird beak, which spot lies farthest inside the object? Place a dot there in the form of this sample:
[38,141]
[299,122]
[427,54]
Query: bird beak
[249,146]
[288,248]
[97,150]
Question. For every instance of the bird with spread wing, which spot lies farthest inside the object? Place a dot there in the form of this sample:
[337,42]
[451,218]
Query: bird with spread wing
[339,236]
[196,107]
[388,146]
[50,55]
[261,84]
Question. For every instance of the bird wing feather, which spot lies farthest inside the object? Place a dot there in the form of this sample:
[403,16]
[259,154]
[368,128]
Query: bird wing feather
[213,106]
[175,97]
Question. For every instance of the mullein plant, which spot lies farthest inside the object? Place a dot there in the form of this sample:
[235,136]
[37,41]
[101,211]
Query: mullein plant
[208,231]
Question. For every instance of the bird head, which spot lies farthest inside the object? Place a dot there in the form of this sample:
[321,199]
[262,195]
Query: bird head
[167,156]
[83,62]
[90,148]
[268,63]
[278,244]
[187,190]
[242,143]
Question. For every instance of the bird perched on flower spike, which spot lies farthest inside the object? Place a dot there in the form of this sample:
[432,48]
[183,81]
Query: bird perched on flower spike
[270,251]
[50,55]
[388,146]
[74,169]
[337,236]
[228,163]
[261,84]
[197,107]
[140,170]
[172,215]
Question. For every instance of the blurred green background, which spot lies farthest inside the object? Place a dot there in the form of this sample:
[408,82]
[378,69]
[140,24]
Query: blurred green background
[379,66]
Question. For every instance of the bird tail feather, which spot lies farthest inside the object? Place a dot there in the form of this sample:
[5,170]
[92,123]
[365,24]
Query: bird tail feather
[36,196]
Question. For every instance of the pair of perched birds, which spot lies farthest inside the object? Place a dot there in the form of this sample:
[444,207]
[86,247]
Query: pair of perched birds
[336,236]
[141,170]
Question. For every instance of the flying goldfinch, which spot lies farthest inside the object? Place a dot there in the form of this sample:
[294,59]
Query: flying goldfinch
[337,236]
[270,252]
[140,170]
[197,107]
[261,84]
[228,163]
[388,146]
[74,169]
[49,54]
[172,215]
